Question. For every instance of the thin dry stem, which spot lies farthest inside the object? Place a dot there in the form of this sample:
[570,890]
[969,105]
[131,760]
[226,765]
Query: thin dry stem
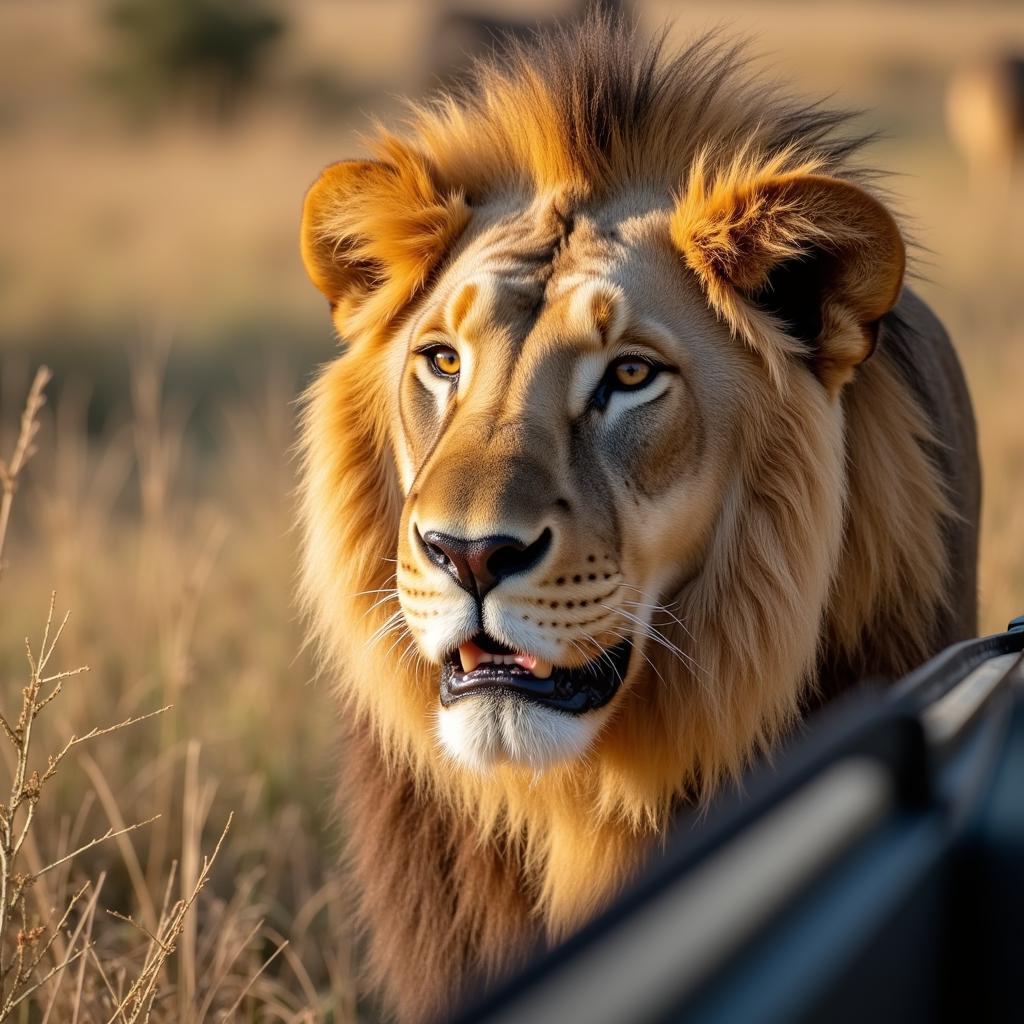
[24,448]
[109,834]
[229,1014]
[139,997]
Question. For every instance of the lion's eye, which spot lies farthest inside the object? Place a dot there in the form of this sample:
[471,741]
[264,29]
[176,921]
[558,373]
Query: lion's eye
[631,373]
[627,373]
[445,361]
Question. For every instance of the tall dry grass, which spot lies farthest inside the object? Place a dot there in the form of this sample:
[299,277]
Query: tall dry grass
[126,898]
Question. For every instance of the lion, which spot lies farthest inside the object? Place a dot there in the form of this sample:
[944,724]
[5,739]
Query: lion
[639,449]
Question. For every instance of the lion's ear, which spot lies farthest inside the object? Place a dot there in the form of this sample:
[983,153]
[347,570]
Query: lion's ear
[374,230]
[797,257]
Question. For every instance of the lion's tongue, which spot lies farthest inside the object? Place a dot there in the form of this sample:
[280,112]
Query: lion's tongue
[471,655]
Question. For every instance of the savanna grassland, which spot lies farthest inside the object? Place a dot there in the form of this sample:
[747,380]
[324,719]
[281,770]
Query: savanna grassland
[148,256]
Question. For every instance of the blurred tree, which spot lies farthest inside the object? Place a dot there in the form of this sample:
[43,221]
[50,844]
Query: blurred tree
[199,55]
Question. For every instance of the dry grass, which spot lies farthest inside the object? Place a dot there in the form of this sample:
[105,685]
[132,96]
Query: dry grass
[179,611]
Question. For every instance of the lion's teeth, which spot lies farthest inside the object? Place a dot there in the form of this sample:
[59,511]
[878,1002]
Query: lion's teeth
[470,655]
[541,669]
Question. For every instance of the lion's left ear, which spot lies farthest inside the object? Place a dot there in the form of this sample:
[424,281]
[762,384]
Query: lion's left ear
[795,261]
[373,230]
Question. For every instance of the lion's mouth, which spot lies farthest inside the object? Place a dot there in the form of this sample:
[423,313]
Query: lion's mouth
[483,665]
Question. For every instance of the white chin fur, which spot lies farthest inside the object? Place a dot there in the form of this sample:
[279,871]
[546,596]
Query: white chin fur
[482,731]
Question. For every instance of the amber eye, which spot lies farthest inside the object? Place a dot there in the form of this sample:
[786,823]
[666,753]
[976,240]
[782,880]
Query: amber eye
[628,373]
[446,361]
[631,373]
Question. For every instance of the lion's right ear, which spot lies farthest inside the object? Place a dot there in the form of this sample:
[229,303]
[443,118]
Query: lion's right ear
[372,231]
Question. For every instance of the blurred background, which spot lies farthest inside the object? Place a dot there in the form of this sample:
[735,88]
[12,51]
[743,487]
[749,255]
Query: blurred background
[153,159]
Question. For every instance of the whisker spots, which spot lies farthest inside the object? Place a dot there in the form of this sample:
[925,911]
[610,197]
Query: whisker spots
[576,601]
[409,569]
[569,624]
[424,613]
[415,592]
[592,575]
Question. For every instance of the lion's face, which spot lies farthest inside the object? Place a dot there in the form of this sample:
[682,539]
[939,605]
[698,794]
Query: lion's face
[562,425]
[589,433]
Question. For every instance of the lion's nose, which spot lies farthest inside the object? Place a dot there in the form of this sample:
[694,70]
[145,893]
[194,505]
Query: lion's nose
[480,565]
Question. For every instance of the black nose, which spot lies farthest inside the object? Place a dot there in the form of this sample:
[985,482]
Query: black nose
[480,565]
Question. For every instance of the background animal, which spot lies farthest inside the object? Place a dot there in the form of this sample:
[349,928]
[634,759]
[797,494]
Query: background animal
[638,447]
[985,119]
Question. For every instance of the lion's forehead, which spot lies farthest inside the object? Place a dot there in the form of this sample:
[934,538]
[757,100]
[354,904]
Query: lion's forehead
[538,267]
[585,308]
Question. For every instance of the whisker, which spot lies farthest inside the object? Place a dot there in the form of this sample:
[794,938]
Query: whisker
[378,590]
[411,653]
[390,623]
[579,648]
[398,639]
[658,638]
[393,596]
[643,654]
[667,610]
[648,630]
[403,635]
[604,655]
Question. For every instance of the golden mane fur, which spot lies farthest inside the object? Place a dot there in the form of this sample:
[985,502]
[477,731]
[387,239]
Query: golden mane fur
[493,859]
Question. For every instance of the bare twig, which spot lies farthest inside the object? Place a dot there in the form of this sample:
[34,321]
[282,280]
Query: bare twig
[92,734]
[140,996]
[69,959]
[109,834]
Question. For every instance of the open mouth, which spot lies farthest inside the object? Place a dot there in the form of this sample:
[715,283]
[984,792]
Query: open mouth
[483,665]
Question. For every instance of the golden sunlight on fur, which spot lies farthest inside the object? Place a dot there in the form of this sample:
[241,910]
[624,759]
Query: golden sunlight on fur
[637,451]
